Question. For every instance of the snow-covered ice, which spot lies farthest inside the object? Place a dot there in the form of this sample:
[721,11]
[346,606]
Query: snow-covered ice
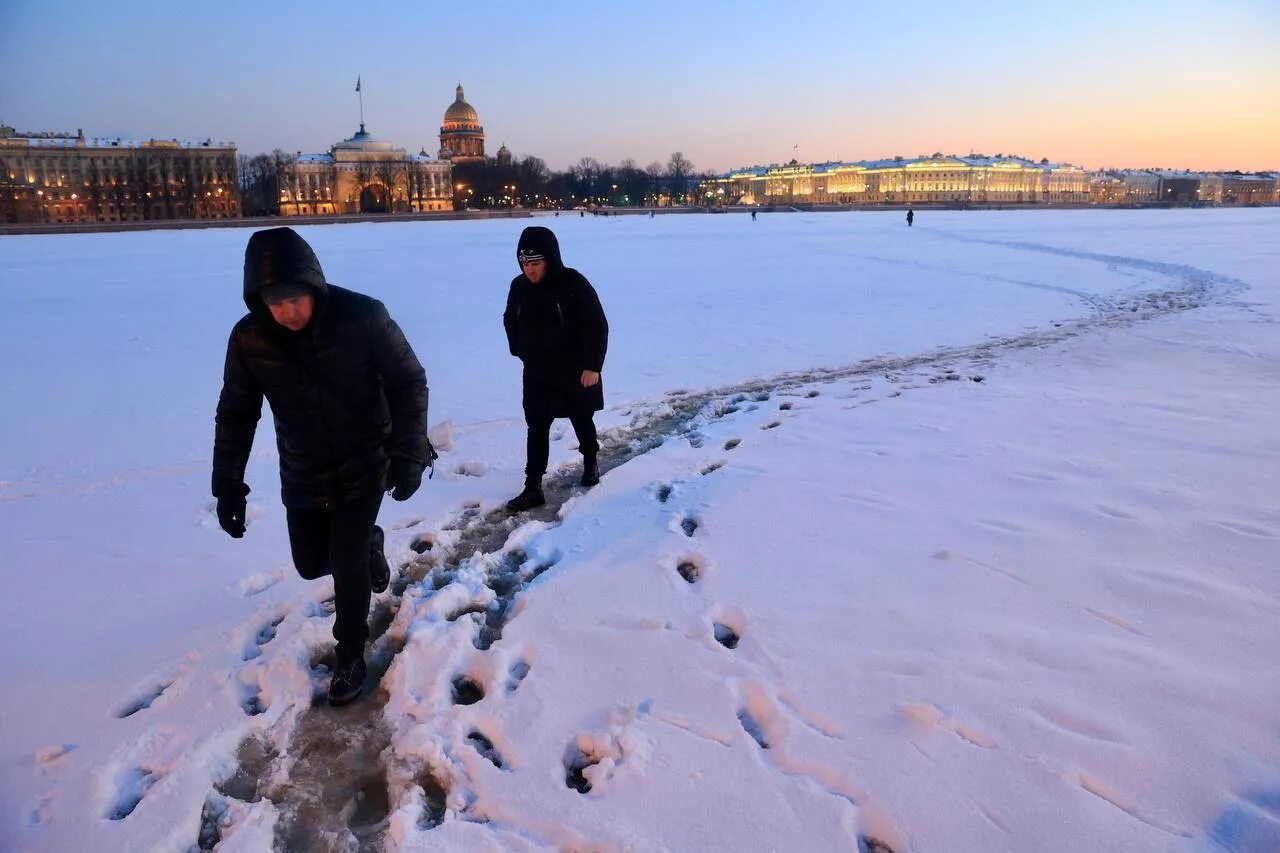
[956,538]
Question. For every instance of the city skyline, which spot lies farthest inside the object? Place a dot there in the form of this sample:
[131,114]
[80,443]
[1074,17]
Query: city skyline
[729,85]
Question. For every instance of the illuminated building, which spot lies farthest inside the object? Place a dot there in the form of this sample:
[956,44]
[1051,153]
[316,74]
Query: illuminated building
[923,180]
[1250,189]
[63,178]
[365,175]
[461,136]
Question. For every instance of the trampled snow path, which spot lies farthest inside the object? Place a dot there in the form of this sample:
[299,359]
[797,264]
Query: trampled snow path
[338,781]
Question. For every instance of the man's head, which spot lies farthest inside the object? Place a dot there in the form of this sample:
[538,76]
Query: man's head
[291,305]
[538,253]
[534,268]
[280,268]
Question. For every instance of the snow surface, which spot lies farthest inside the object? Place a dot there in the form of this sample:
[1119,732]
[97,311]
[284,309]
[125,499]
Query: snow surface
[986,509]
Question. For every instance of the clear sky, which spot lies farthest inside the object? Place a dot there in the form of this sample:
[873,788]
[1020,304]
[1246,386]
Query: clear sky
[1145,83]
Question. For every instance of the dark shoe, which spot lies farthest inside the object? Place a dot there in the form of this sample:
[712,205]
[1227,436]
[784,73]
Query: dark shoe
[379,571]
[590,471]
[528,499]
[347,682]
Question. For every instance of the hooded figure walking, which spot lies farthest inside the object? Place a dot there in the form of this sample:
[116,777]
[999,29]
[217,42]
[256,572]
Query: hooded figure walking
[349,400]
[911,217]
[557,328]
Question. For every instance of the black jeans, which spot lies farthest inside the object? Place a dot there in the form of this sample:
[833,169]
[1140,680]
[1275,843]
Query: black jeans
[336,541]
[538,445]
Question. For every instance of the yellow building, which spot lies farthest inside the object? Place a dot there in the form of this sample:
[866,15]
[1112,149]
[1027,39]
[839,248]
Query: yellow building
[365,175]
[60,178]
[1250,189]
[461,136]
[923,180]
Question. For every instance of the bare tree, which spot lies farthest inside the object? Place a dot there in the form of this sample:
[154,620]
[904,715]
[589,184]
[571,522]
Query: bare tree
[387,171]
[653,174]
[678,171]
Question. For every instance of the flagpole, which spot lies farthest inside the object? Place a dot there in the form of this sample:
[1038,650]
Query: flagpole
[361,94]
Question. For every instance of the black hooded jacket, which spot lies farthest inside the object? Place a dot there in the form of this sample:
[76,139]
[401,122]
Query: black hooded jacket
[346,392]
[558,329]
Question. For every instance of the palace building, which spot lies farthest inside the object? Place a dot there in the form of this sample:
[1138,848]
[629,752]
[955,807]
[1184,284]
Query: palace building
[61,178]
[365,175]
[923,180]
[461,136]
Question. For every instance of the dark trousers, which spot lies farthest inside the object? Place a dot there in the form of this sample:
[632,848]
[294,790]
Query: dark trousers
[336,541]
[538,446]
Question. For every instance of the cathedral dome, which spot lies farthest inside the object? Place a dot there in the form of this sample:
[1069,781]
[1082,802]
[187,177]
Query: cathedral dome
[460,112]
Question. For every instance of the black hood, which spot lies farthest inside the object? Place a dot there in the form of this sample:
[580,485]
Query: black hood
[538,239]
[280,256]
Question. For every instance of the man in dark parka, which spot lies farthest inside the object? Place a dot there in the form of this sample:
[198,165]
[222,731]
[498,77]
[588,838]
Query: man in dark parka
[557,328]
[349,400]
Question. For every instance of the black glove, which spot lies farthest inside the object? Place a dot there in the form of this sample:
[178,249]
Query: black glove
[231,515]
[404,478]
[231,506]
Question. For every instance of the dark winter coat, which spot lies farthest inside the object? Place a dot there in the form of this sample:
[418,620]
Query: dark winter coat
[557,327]
[346,392]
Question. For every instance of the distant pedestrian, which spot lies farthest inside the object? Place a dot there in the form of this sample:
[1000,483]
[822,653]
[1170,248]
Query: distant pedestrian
[651,214]
[911,217]
[753,216]
[349,402]
[557,328]
[581,214]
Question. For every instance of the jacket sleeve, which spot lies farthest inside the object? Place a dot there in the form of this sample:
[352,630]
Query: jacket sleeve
[595,327]
[510,319]
[236,421]
[405,384]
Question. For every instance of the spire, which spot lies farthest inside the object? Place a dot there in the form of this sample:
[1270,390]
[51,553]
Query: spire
[460,92]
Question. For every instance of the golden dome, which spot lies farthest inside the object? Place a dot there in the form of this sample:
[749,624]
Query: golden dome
[460,112]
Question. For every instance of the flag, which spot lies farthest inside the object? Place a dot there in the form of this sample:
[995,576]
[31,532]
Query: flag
[357,82]
[793,147]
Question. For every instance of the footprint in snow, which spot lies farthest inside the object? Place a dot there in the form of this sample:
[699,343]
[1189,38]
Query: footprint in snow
[259,583]
[732,443]
[132,786]
[485,747]
[517,674]
[772,425]
[265,634]
[714,466]
[466,690]
[689,524]
[690,567]
[143,701]
[251,701]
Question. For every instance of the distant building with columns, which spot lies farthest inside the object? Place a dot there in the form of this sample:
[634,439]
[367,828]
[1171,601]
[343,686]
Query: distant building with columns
[62,178]
[921,180]
[365,175]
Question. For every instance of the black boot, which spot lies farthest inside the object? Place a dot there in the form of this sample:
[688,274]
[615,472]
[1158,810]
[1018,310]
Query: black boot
[528,499]
[590,471]
[379,571]
[347,682]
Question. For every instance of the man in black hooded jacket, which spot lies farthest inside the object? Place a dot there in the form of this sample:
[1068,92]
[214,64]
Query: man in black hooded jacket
[556,326]
[349,400]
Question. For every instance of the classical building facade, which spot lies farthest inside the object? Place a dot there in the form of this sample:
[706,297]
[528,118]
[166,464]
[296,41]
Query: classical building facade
[60,178]
[461,136]
[1124,187]
[365,175]
[1250,189]
[923,180]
